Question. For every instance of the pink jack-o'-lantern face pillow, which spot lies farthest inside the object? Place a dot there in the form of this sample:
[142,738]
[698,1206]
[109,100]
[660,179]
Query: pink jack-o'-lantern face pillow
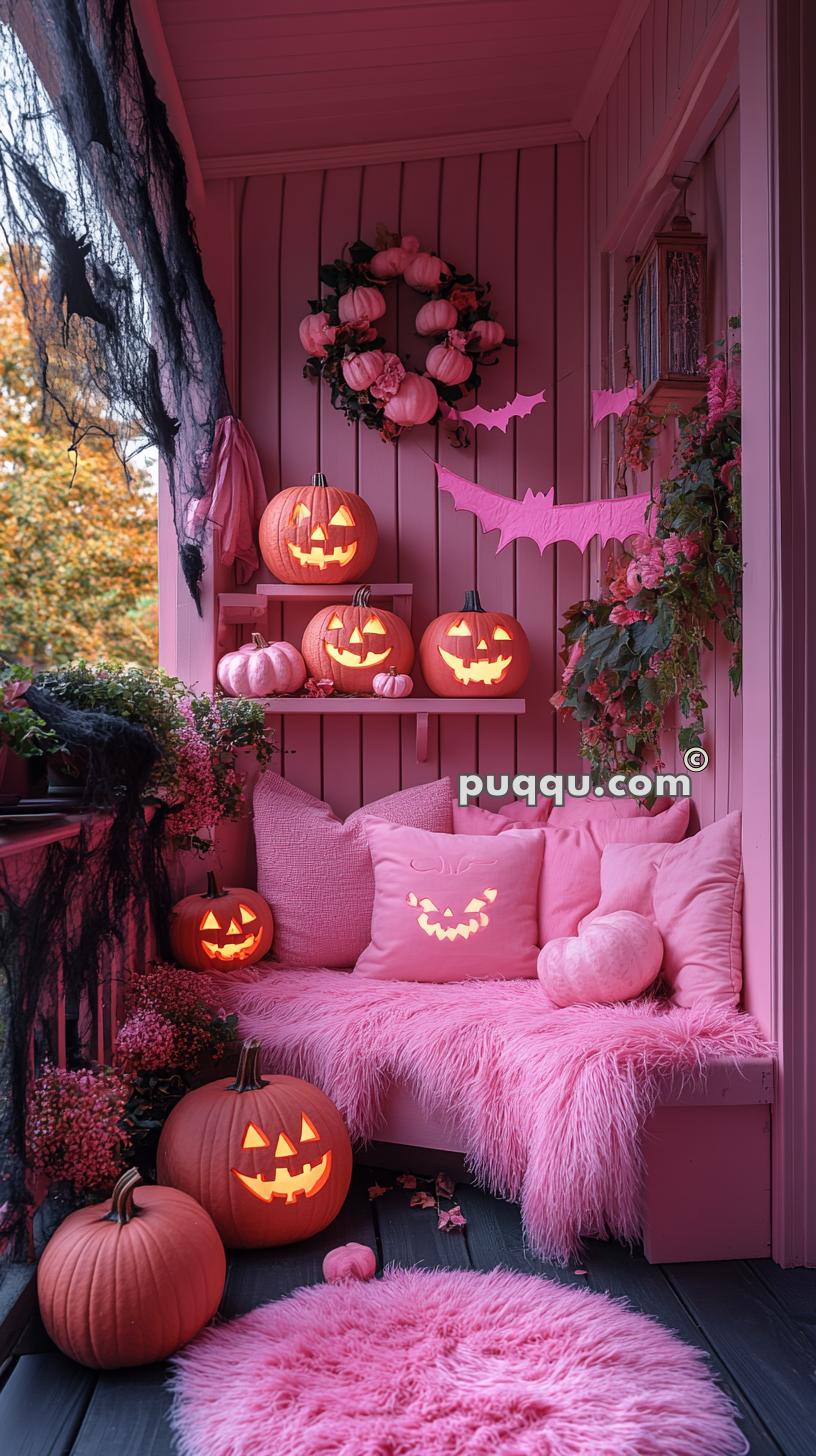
[452,907]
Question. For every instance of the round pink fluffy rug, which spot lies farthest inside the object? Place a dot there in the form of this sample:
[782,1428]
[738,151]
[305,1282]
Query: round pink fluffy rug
[450,1363]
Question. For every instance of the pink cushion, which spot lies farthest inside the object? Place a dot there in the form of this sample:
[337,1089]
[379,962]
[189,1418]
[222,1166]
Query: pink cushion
[450,907]
[571,876]
[591,809]
[613,958]
[693,891]
[316,872]
[470,819]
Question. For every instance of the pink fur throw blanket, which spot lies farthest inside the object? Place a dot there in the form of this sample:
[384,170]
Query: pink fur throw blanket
[549,1104]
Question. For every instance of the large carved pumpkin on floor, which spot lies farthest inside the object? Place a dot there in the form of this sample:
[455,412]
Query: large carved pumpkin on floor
[317,534]
[352,642]
[474,653]
[131,1280]
[220,929]
[268,1157]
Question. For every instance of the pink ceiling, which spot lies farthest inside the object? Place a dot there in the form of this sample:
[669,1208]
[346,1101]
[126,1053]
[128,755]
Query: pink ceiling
[270,78]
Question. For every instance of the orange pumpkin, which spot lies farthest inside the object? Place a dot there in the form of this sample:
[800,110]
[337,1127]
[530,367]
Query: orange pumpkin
[351,643]
[317,533]
[269,1158]
[131,1280]
[220,929]
[474,653]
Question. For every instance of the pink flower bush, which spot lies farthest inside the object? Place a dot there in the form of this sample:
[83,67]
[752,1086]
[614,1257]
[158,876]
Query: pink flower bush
[145,1043]
[387,383]
[74,1129]
[165,993]
[723,395]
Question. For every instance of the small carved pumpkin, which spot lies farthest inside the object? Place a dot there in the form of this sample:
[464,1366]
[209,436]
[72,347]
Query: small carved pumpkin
[220,929]
[448,364]
[392,684]
[268,1157]
[425,272]
[360,370]
[351,642]
[361,304]
[99,1275]
[488,334]
[261,669]
[317,534]
[415,402]
[436,317]
[474,653]
[391,262]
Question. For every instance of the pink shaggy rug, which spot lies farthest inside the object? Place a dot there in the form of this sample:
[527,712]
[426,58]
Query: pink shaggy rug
[450,1362]
[549,1104]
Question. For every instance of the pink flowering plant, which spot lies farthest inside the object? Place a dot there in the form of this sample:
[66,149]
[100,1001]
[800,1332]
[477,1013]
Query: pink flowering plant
[634,651]
[75,1126]
[196,779]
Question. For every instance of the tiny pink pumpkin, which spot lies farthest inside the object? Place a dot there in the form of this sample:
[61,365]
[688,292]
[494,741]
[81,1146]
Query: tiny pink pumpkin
[315,332]
[360,370]
[390,262]
[415,402]
[392,684]
[425,272]
[487,334]
[614,958]
[361,304]
[436,317]
[448,364]
[261,669]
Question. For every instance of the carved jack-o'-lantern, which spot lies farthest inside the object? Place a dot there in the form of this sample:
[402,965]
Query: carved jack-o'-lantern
[269,1158]
[352,643]
[474,653]
[220,929]
[317,533]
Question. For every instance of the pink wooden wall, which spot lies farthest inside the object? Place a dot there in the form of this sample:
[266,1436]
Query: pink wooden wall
[515,218]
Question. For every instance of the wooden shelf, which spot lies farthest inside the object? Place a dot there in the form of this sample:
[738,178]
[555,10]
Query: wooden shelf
[421,708]
[283,592]
[250,608]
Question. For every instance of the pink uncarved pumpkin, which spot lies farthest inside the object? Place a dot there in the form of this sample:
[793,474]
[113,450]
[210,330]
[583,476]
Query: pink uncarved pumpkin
[415,402]
[315,332]
[359,304]
[262,669]
[614,958]
[489,334]
[391,262]
[448,364]
[360,370]
[425,272]
[436,317]
[392,684]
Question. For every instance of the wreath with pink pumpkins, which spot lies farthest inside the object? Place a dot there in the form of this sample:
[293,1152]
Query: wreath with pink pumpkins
[368,382]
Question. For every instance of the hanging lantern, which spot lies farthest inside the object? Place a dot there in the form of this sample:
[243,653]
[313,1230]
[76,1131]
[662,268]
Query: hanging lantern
[669,296]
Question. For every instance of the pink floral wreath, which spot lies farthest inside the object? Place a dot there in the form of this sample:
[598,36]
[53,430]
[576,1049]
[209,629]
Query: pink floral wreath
[368,382]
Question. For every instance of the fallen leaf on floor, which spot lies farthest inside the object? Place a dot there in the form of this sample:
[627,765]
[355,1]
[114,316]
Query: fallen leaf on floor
[445,1185]
[451,1218]
[377,1191]
[579,1271]
[423,1200]
[407,1180]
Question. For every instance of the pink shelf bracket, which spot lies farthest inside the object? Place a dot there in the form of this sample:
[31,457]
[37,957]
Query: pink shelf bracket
[422,737]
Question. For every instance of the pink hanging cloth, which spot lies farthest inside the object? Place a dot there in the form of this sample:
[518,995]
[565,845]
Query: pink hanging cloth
[235,498]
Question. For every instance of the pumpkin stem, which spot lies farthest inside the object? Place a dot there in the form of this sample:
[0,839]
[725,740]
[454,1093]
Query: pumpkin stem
[361,597]
[213,890]
[248,1077]
[258,640]
[122,1208]
[472,603]
[319,479]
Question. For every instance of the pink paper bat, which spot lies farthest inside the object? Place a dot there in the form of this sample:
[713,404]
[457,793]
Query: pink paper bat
[538,517]
[612,401]
[498,419]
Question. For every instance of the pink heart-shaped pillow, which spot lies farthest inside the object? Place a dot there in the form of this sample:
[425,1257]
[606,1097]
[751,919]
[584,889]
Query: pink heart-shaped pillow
[614,958]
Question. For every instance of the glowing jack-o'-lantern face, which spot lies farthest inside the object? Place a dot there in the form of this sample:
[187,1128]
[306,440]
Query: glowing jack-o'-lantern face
[317,533]
[442,924]
[268,1157]
[221,928]
[474,653]
[287,1180]
[350,644]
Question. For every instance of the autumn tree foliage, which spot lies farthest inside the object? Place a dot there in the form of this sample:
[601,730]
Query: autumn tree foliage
[78,543]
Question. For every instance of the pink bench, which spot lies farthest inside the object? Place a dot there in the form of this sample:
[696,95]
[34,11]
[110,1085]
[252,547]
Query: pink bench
[706,1155]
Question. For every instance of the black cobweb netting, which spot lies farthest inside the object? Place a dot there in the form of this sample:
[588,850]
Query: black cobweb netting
[93,209]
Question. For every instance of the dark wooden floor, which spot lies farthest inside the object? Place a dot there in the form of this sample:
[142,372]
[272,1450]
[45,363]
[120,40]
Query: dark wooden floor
[757,1323]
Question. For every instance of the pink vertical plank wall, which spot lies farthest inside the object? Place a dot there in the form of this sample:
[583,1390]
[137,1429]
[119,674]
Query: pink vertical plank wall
[515,219]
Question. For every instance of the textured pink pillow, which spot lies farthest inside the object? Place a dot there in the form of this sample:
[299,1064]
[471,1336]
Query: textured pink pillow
[449,907]
[571,876]
[590,809]
[693,892]
[612,958]
[316,871]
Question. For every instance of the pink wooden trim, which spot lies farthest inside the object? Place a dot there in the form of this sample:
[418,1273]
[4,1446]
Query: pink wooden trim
[151,34]
[622,32]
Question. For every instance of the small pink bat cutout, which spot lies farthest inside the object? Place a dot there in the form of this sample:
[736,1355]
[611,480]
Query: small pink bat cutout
[498,419]
[612,401]
[538,517]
